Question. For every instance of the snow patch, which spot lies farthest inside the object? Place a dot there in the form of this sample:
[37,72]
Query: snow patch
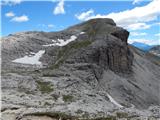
[30,59]
[155,53]
[32,53]
[49,45]
[82,33]
[113,101]
[62,42]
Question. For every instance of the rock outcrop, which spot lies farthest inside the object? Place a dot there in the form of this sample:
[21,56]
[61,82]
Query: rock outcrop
[105,45]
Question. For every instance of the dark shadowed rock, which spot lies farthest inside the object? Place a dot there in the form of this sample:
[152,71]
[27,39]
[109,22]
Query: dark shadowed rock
[107,46]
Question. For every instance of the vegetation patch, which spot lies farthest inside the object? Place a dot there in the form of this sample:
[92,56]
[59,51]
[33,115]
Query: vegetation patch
[45,87]
[105,118]
[67,98]
[55,115]
[79,111]
[47,104]
[55,96]
[65,51]
[85,116]
[122,115]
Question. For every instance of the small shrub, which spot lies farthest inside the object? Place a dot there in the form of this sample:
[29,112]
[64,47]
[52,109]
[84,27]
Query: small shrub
[29,92]
[55,96]
[79,111]
[122,115]
[67,98]
[105,118]
[55,115]
[47,104]
[85,116]
[45,87]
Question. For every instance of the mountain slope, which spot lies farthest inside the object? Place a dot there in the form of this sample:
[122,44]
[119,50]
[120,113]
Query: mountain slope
[155,50]
[87,71]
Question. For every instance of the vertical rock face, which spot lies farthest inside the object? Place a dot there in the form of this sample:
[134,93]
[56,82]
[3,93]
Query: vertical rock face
[121,34]
[109,48]
[118,58]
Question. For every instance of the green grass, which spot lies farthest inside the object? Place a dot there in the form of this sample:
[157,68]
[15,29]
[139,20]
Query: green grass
[55,115]
[122,115]
[79,111]
[105,118]
[85,116]
[67,98]
[67,50]
[45,87]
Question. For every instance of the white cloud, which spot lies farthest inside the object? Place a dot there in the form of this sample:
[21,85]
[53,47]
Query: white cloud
[138,33]
[46,25]
[137,15]
[11,2]
[10,14]
[22,18]
[138,26]
[59,9]
[136,1]
[158,23]
[146,41]
[158,34]
[83,16]
[50,25]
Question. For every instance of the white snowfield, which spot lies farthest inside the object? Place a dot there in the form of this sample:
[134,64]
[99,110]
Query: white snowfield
[34,60]
[49,45]
[62,42]
[82,33]
[113,101]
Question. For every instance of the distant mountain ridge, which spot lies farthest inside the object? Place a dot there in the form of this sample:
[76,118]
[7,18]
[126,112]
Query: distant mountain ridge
[142,46]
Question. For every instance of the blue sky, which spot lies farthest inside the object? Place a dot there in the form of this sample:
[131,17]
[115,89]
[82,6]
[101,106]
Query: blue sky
[140,18]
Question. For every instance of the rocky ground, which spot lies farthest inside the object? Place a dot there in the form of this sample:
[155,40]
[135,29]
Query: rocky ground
[87,71]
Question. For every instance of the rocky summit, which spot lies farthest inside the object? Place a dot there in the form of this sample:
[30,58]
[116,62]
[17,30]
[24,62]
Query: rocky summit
[87,71]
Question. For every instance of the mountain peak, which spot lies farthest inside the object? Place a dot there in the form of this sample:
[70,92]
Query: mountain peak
[102,21]
[101,27]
